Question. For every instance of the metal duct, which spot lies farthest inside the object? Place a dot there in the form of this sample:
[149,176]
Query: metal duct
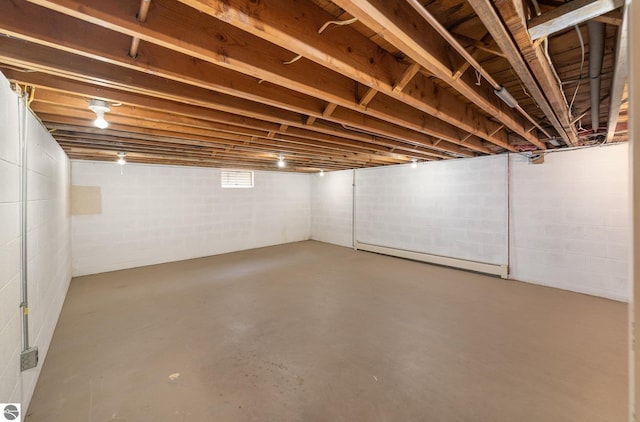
[596,54]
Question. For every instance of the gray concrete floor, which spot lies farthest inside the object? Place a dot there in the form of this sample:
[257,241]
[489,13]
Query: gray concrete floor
[315,332]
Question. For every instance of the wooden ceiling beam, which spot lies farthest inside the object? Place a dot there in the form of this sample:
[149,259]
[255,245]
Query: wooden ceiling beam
[569,14]
[407,31]
[196,132]
[169,116]
[208,139]
[175,112]
[245,154]
[521,55]
[620,75]
[76,152]
[45,59]
[48,83]
[445,121]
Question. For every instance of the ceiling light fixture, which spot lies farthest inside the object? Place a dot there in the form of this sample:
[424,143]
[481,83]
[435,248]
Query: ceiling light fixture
[321,173]
[414,163]
[121,159]
[99,107]
[281,162]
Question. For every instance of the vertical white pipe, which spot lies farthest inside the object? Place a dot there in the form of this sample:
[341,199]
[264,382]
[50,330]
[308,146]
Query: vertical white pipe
[353,210]
[596,55]
[24,303]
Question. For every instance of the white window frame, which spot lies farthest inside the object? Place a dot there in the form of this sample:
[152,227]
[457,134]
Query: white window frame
[236,179]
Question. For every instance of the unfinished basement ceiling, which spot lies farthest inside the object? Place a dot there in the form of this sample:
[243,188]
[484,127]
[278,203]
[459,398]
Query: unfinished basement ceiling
[327,85]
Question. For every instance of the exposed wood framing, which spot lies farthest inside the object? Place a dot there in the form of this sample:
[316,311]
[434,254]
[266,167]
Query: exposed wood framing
[371,66]
[236,83]
[569,14]
[620,75]
[302,78]
[402,27]
[522,55]
[187,116]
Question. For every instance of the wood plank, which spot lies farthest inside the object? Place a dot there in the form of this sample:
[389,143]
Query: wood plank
[61,85]
[539,64]
[406,30]
[96,42]
[41,58]
[620,76]
[406,77]
[569,14]
[330,50]
[250,55]
[503,37]
[184,123]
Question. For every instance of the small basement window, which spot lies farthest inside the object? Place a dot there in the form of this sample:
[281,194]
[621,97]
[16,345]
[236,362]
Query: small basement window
[237,179]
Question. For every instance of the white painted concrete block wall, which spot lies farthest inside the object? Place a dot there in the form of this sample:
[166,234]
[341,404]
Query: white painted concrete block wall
[154,214]
[450,208]
[49,247]
[570,224]
[332,208]
[10,340]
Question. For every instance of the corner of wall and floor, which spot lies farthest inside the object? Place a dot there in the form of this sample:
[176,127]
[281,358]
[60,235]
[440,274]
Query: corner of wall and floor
[48,249]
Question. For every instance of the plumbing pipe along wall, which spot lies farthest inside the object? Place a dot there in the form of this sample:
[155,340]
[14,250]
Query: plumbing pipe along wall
[24,303]
[596,54]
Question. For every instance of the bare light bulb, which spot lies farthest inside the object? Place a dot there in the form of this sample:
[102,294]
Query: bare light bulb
[321,173]
[100,122]
[121,159]
[414,163]
[281,163]
[99,107]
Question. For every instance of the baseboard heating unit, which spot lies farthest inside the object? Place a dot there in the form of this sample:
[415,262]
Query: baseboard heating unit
[481,267]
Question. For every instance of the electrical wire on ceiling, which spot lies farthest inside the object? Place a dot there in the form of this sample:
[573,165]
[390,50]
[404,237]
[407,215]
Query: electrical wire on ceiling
[553,69]
[338,23]
[573,98]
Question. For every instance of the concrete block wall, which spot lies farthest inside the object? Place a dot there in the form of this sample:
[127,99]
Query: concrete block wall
[332,208]
[154,214]
[570,224]
[454,208]
[49,247]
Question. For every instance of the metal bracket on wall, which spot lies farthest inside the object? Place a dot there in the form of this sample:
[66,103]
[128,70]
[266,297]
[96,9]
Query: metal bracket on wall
[28,358]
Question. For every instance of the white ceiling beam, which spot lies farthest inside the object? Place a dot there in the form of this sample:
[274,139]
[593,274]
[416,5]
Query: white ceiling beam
[620,74]
[568,15]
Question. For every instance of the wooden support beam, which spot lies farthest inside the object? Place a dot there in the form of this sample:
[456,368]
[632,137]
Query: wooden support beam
[521,62]
[569,14]
[482,45]
[372,67]
[329,109]
[406,77]
[62,64]
[620,75]
[367,97]
[465,65]
[399,23]
[94,41]
[253,56]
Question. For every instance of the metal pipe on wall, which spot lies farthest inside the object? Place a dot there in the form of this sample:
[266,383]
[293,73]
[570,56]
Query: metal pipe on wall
[24,303]
[596,55]
[29,355]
